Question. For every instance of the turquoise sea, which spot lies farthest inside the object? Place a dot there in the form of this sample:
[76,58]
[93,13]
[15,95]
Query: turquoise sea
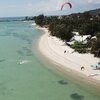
[25,75]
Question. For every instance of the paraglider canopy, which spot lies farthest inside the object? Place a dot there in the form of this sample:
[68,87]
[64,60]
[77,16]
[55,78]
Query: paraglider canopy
[66,3]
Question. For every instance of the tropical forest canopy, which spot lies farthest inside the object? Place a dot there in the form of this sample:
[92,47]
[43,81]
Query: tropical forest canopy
[87,23]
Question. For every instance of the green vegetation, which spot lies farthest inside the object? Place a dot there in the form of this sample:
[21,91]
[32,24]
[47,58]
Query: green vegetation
[80,47]
[84,23]
[95,46]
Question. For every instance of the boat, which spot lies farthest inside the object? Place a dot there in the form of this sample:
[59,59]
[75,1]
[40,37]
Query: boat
[23,61]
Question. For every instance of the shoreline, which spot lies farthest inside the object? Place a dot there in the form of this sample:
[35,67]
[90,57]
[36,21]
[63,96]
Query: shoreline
[53,49]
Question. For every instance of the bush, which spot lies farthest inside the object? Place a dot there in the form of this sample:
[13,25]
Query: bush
[79,47]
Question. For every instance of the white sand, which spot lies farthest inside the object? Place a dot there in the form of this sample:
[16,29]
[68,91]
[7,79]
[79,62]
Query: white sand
[53,48]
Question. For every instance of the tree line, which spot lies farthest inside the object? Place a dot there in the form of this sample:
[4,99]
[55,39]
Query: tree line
[83,23]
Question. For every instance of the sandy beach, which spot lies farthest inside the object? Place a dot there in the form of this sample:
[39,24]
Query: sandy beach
[53,48]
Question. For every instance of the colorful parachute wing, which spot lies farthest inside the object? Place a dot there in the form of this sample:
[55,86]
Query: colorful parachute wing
[68,3]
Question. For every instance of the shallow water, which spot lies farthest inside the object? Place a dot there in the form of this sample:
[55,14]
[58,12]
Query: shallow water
[34,79]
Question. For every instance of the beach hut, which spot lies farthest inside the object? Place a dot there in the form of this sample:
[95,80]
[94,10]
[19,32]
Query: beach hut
[79,38]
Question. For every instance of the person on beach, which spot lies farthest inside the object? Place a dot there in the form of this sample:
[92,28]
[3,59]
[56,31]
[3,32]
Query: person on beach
[65,51]
[82,68]
[96,67]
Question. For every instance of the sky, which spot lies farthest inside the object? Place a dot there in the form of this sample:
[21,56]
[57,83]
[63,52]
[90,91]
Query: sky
[12,8]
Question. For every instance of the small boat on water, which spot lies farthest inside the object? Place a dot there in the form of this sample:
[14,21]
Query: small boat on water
[23,61]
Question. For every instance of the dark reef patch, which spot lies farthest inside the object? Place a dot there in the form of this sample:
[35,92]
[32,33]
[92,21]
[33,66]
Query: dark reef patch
[2,60]
[76,96]
[63,82]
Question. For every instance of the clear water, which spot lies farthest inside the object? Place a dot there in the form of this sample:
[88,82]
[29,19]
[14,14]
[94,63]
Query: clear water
[34,79]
